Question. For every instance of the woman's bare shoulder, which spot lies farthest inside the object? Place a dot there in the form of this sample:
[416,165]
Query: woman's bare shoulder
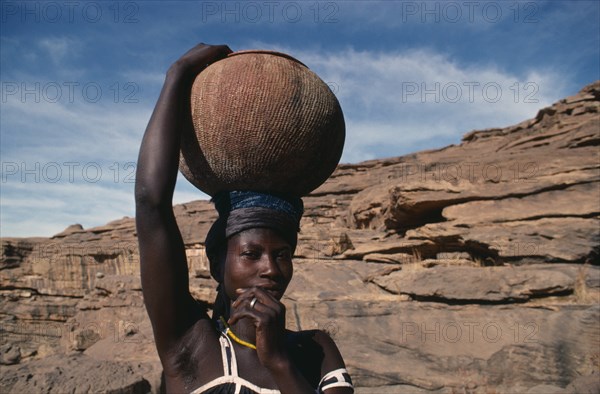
[315,353]
[319,337]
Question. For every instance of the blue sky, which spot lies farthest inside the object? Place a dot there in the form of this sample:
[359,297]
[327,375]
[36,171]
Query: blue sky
[79,80]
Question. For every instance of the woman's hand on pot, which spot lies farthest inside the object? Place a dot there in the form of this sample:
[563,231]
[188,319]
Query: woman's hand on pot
[197,59]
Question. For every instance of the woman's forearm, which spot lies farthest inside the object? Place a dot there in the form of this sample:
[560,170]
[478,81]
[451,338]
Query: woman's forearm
[159,153]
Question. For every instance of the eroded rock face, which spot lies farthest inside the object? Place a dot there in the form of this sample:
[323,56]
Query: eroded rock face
[473,268]
[75,374]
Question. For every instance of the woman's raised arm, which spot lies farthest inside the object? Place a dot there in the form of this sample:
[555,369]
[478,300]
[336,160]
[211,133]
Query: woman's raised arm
[164,270]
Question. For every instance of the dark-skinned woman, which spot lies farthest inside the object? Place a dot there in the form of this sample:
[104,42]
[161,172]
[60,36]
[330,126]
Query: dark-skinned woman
[244,347]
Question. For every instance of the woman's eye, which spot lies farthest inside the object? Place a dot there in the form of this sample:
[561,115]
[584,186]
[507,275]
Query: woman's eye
[285,255]
[250,254]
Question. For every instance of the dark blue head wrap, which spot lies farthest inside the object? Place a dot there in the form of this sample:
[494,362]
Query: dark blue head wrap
[243,210]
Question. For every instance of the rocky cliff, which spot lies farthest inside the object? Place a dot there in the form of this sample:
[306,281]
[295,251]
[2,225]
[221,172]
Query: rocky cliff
[469,269]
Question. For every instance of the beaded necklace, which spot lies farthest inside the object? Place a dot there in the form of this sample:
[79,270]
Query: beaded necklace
[231,335]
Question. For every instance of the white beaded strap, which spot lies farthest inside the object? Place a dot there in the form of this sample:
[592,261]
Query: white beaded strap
[336,378]
[232,359]
[224,356]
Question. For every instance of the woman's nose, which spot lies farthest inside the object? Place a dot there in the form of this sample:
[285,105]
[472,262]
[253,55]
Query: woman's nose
[269,267]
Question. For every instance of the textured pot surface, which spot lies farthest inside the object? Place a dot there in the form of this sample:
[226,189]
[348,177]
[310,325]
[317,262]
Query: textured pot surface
[263,121]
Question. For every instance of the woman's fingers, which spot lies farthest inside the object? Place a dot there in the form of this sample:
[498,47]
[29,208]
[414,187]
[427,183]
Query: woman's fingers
[200,56]
[259,314]
[241,313]
[268,317]
[266,307]
[262,296]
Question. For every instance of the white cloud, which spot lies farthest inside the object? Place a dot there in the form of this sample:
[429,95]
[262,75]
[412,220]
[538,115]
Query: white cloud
[54,206]
[475,16]
[403,98]
[65,163]
[148,79]
[59,47]
[70,132]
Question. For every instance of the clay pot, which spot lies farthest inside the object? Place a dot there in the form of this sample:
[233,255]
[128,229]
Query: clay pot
[264,122]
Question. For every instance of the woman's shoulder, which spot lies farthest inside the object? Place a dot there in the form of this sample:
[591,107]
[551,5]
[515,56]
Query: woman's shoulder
[315,353]
[333,372]
[319,338]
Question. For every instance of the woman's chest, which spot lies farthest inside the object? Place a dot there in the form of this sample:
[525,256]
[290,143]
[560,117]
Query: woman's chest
[216,359]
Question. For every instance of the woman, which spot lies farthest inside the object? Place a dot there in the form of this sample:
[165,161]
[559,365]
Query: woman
[245,346]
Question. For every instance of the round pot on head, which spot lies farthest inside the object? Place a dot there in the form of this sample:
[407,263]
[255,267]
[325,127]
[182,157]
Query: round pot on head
[263,121]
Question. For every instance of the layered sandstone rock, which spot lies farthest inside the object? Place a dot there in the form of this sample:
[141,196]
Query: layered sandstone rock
[472,268]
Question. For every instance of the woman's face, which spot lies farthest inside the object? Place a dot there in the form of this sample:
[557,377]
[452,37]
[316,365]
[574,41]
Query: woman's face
[258,257]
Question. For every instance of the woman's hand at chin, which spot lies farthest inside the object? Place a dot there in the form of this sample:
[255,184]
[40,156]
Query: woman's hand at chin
[268,317]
